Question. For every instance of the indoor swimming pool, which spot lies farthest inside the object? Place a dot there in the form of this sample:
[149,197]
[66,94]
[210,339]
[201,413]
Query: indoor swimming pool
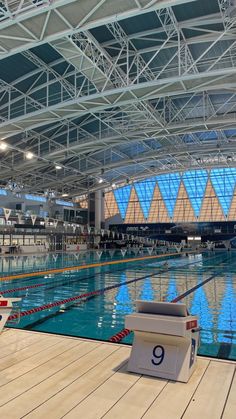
[93,302]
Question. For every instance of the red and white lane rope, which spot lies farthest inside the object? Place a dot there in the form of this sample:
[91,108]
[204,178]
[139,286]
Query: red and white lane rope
[87,295]
[78,297]
[27,287]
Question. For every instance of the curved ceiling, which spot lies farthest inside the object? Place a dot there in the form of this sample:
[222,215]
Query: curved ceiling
[118,90]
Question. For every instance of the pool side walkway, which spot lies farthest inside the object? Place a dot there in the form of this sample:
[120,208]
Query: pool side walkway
[54,376]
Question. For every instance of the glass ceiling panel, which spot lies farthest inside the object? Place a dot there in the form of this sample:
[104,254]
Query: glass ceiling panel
[122,196]
[223,181]
[169,187]
[195,183]
[144,192]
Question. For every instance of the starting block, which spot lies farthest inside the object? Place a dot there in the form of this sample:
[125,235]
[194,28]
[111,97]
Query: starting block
[166,340]
[6,308]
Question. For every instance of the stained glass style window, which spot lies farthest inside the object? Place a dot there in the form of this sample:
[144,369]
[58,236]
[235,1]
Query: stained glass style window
[158,212]
[196,195]
[122,196]
[195,183]
[111,207]
[232,212]
[211,209]
[169,187]
[134,213]
[223,181]
[183,208]
[144,192]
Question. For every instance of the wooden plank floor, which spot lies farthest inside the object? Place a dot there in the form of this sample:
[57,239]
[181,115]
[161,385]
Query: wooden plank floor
[56,376]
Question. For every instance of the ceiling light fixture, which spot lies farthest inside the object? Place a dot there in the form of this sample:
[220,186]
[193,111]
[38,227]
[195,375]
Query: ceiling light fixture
[113,185]
[64,195]
[58,167]
[3,146]
[100,180]
[29,155]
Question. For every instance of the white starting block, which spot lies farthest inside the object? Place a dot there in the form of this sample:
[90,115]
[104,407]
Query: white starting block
[165,340]
[6,308]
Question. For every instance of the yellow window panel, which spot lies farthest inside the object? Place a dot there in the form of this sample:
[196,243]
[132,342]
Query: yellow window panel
[134,213]
[158,212]
[111,207]
[183,208]
[211,209]
[232,212]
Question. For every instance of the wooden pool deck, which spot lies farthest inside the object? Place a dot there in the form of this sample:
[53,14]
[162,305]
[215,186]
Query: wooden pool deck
[52,376]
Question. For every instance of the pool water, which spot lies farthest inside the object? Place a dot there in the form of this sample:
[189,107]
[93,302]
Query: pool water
[103,315]
[17,264]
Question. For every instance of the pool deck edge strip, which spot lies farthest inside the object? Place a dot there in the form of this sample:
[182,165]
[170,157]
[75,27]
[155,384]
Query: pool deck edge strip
[91,265]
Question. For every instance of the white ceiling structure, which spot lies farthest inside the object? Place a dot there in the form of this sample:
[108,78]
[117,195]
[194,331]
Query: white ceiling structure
[115,90]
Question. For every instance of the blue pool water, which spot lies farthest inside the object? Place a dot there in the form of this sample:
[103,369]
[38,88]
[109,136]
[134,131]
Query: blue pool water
[17,264]
[101,316]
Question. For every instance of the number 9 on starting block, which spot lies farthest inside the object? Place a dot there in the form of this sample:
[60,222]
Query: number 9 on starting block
[165,341]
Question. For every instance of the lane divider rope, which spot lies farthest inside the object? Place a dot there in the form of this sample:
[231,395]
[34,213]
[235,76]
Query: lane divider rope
[91,265]
[58,283]
[61,283]
[27,287]
[88,294]
[125,332]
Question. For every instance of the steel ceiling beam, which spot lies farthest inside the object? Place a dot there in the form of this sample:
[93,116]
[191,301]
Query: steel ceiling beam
[25,24]
[215,80]
[166,160]
[165,110]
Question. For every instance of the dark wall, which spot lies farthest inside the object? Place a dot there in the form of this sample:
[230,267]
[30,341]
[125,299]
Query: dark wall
[178,231]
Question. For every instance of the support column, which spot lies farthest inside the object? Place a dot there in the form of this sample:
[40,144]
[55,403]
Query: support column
[91,209]
[99,210]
